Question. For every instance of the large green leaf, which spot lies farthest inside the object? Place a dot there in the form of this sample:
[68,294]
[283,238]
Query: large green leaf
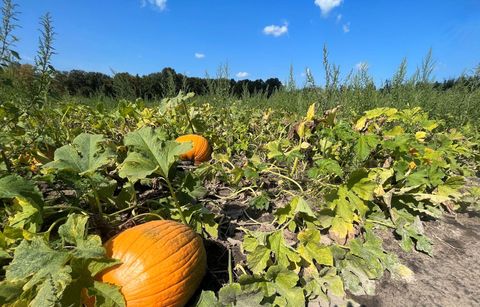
[285,282]
[311,249]
[84,156]
[258,258]
[149,153]
[13,186]
[74,232]
[365,144]
[35,259]
[207,299]
[284,254]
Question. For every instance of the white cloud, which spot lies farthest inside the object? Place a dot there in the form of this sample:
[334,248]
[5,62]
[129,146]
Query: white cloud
[199,55]
[339,17]
[276,30]
[346,27]
[361,66]
[242,74]
[327,5]
[160,4]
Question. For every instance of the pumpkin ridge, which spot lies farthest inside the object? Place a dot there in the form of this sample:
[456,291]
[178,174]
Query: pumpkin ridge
[131,265]
[110,241]
[194,276]
[163,266]
[172,285]
[162,260]
[194,256]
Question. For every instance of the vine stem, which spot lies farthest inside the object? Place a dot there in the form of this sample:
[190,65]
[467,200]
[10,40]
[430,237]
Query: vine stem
[236,193]
[230,274]
[49,230]
[380,223]
[122,210]
[284,177]
[147,214]
[294,168]
[64,207]
[175,200]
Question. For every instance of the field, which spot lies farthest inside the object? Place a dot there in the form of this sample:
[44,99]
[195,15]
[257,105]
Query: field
[343,192]
[292,207]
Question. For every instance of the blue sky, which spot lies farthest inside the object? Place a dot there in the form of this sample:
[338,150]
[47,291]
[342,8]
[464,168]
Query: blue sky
[258,38]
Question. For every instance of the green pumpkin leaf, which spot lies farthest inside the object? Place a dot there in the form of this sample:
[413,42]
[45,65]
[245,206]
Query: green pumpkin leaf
[49,292]
[285,282]
[284,254]
[35,257]
[9,291]
[87,154]
[207,299]
[257,259]
[14,186]
[106,295]
[74,232]
[365,144]
[341,229]
[227,295]
[300,205]
[325,167]
[311,249]
[27,202]
[149,153]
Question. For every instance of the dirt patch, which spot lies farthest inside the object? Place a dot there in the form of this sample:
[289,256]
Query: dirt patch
[450,278]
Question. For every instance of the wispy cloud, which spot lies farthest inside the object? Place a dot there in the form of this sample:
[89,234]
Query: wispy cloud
[275,30]
[242,74]
[346,27]
[361,66]
[339,18]
[327,5]
[199,55]
[160,4]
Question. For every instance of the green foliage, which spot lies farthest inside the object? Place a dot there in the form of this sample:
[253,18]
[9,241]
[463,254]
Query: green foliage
[84,157]
[306,195]
[149,154]
[51,274]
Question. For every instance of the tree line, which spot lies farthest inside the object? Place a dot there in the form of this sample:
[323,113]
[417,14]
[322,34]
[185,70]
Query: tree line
[166,83]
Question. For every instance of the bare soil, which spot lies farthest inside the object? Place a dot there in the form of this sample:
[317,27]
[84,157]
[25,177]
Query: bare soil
[450,278]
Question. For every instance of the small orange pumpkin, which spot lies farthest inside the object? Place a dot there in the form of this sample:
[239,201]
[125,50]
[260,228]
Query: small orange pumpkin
[201,150]
[163,263]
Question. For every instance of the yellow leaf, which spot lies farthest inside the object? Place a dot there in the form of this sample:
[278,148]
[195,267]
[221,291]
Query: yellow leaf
[311,112]
[420,136]
[361,123]
[301,129]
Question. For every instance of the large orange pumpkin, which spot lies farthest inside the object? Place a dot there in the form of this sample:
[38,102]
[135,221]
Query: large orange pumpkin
[201,150]
[163,263]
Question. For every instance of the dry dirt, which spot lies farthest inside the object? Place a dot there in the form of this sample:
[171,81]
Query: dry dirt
[450,278]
